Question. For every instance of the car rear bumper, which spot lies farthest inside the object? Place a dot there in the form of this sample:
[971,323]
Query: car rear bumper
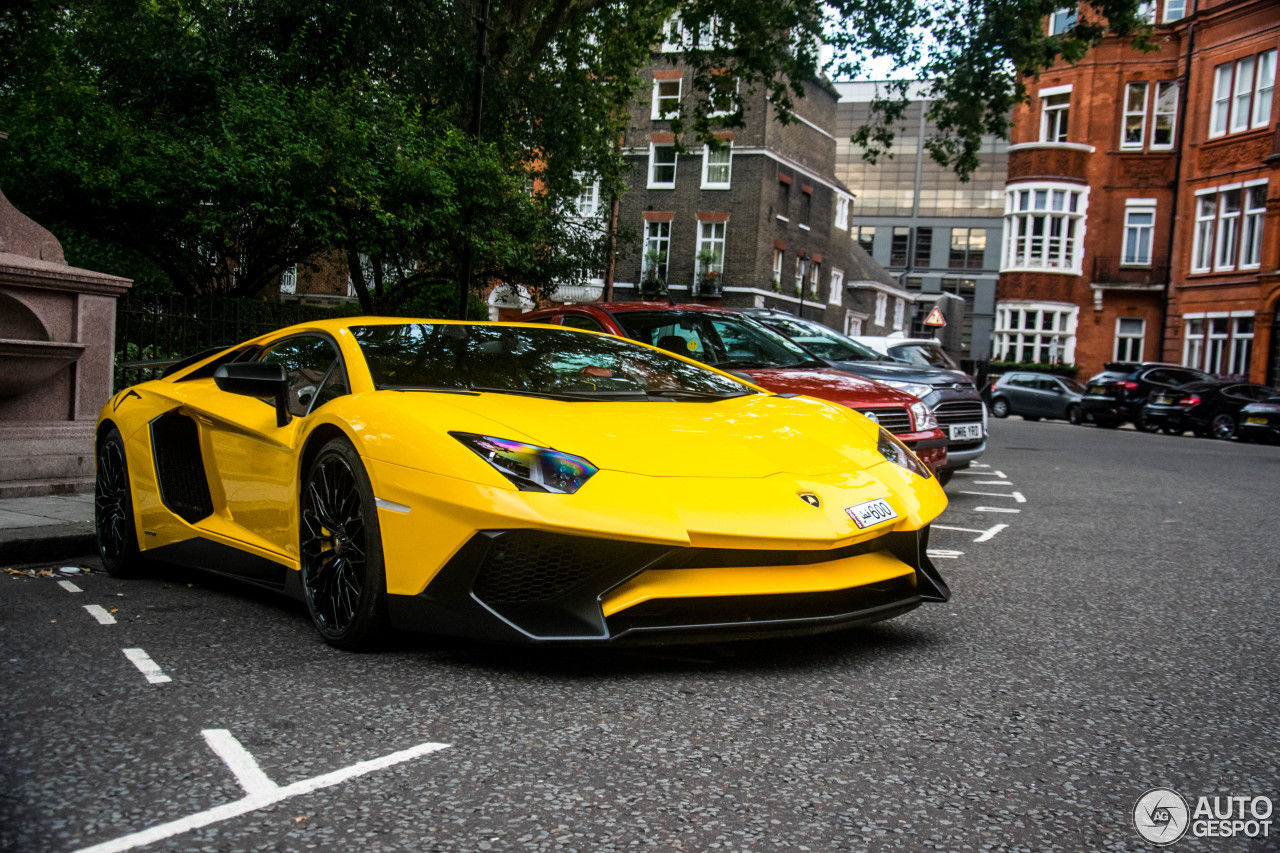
[529,586]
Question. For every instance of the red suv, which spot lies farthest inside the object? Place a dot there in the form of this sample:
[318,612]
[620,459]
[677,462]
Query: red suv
[734,343]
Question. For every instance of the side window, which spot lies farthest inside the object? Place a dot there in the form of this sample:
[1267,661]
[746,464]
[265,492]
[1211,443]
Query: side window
[313,370]
[1181,377]
[1164,377]
[578,321]
[1021,380]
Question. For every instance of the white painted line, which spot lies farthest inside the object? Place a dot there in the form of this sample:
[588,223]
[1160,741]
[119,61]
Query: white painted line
[264,796]
[147,666]
[944,555]
[999,474]
[994,509]
[239,762]
[992,483]
[987,536]
[979,465]
[1017,496]
[69,586]
[97,612]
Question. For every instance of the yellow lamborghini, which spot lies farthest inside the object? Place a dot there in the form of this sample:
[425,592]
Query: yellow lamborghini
[513,482]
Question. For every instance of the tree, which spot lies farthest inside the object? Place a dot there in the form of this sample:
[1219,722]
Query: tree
[221,141]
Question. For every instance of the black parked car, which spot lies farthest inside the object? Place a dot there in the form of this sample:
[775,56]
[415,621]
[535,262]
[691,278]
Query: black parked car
[1036,396]
[1261,421]
[1119,392]
[1206,408]
[950,393]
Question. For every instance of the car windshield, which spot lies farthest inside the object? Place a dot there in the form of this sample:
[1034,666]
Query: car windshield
[532,361]
[818,339]
[923,355]
[726,341]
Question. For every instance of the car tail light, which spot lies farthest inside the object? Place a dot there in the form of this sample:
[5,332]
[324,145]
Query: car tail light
[1189,401]
[1129,386]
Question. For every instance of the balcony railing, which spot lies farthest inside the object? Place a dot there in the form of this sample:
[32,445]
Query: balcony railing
[1113,270]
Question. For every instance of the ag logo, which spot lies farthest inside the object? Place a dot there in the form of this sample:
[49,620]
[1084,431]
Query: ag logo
[1161,816]
[811,499]
[871,416]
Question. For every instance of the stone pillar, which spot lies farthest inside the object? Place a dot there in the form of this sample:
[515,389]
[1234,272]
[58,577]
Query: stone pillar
[57,346]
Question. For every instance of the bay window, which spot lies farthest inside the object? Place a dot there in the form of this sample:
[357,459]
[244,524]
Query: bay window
[1228,228]
[1242,94]
[1044,227]
[1043,332]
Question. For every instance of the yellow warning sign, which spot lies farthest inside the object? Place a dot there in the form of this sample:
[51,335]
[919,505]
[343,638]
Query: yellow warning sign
[935,318]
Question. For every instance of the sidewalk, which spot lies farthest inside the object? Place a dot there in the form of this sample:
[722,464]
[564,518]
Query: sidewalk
[50,528]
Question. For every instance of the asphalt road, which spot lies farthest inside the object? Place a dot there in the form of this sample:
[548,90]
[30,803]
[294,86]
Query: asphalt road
[1116,634]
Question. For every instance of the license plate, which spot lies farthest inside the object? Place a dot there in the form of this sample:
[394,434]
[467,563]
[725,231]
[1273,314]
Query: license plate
[965,432]
[1099,391]
[1164,401]
[1256,421]
[871,513]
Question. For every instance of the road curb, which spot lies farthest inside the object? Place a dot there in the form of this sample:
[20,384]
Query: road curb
[46,543]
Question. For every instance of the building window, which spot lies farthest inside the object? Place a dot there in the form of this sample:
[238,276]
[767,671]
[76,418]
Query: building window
[1241,346]
[1147,11]
[1053,117]
[802,269]
[673,35]
[1174,10]
[866,237]
[806,207]
[1044,227]
[1139,231]
[842,212]
[815,273]
[710,257]
[1242,94]
[777,270]
[1193,343]
[1042,332]
[716,164]
[1221,344]
[289,280]
[662,167]
[898,249]
[1228,240]
[1130,332]
[1228,235]
[1255,209]
[784,200]
[836,294]
[1219,329]
[1165,114]
[1134,132]
[723,94]
[968,245]
[588,203]
[657,245]
[924,248]
[1061,21]
[882,308]
[899,313]
[666,99]
[852,325]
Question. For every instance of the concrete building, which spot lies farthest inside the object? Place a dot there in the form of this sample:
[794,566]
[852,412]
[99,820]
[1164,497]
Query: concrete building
[1136,205]
[933,232]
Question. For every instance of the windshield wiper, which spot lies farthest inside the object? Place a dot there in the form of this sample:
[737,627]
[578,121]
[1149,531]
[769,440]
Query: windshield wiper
[685,396]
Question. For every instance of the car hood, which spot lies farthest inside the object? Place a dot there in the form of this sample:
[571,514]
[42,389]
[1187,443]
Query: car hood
[886,371]
[827,383]
[755,435]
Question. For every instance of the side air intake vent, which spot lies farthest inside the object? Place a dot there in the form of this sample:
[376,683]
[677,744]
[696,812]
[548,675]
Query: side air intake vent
[175,441]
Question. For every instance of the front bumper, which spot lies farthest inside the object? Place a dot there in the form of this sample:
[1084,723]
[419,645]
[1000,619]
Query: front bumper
[534,586]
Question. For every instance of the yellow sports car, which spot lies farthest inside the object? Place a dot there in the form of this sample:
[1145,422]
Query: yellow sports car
[513,482]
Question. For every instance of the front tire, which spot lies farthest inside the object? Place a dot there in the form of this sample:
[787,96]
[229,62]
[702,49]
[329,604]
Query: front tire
[1000,408]
[343,576]
[113,520]
[1075,415]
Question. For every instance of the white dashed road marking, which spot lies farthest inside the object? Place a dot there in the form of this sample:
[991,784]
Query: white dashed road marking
[99,613]
[942,554]
[69,586]
[1017,496]
[260,791]
[147,666]
[994,509]
[986,535]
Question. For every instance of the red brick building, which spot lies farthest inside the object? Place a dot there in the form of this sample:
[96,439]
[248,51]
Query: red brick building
[1137,221]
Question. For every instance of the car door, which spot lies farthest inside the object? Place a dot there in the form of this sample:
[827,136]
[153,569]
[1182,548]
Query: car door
[256,461]
[1021,393]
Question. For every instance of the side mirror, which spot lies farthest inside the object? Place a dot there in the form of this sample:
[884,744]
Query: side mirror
[256,379]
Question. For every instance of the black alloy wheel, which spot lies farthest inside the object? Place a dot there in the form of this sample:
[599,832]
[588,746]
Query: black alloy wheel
[1000,408]
[1144,423]
[1222,426]
[341,550]
[1075,414]
[113,509]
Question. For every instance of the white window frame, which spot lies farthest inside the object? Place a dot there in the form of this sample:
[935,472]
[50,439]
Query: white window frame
[1020,324]
[673,29]
[1055,118]
[1264,89]
[778,255]
[1242,93]
[675,158]
[707,151]
[657,234]
[1044,227]
[802,269]
[1202,246]
[1147,11]
[1253,220]
[1174,10]
[1240,352]
[590,193]
[1193,341]
[289,280]
[899,314]
[656,113]
[882,309]
[1124,345]
[733,98]
[853,324]
[1137,231]
[842,212]
[1061,20]
[1226,245]
[1217,343]
[815,275]
[1220,113]
[835,292]
[1162,87]
[708,238]
[1140,114]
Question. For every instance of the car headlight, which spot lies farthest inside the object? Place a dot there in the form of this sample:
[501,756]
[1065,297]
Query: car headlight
[897,453]
[915,389]
[923,416]
[530,467]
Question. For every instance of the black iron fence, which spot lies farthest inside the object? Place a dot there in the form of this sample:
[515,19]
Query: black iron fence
[1113,270]
[155,331]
